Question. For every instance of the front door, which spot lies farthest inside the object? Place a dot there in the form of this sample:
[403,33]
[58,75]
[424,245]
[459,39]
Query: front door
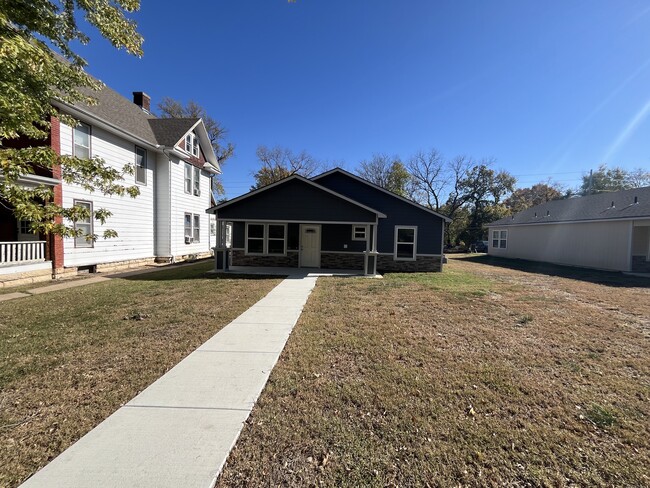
[310,246]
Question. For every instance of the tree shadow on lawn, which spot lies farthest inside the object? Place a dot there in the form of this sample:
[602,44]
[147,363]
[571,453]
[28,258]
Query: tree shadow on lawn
[608,278]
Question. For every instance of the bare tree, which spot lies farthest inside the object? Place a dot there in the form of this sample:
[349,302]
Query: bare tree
[431,177]
[280,162]
[387,172]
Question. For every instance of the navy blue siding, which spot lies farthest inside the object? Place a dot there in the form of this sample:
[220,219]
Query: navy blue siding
[295,200]
[335,236]
[398,212]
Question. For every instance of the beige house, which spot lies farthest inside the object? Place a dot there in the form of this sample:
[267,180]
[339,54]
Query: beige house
[609,231]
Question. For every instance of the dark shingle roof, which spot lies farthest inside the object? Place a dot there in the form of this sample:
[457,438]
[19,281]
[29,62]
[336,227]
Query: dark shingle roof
[118,111]
[169,131]
[123,113]
[592,207]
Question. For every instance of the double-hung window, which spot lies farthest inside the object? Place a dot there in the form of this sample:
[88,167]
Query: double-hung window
[499,239]
[85,225]
[268,239]
[405,243]
[192,179]
[188,178]
[192,227]
[196,229]
[358,232]
[197,181]
[81,139]
[140,165]
[192,144]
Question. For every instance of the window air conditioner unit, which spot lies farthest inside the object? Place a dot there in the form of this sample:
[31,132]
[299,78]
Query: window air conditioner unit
[189,240]
[197,192]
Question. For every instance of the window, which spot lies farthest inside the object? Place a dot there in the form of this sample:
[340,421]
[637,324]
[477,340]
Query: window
[358,232]
[499,239]
[140,165]
[197,228]
[81,138]
[192,144]
[405,239]
[266,239]
[277,239]
[188,178]
[192,179]
[188,225]
[85,225]
[254,238]
[24,228]
[197,181]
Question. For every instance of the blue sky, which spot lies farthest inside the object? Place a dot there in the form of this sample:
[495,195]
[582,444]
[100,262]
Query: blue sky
[547,89]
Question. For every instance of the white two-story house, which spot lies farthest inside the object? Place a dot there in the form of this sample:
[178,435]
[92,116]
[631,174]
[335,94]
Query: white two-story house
[174,164]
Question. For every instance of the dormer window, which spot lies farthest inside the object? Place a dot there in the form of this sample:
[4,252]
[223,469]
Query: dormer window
[192,144]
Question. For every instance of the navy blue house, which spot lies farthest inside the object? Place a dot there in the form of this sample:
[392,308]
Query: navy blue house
[333,220]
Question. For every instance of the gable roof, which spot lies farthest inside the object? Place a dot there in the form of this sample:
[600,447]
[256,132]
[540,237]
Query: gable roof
[285,180]
[121,113]
[588,208]
[168,131]
[377,187]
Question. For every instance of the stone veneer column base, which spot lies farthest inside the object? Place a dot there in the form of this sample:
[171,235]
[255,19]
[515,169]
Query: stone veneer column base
[421,264]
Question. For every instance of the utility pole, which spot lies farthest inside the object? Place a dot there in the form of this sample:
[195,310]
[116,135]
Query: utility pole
[591,182]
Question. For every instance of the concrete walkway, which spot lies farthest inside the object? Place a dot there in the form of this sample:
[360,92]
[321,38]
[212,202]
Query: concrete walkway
[178,432]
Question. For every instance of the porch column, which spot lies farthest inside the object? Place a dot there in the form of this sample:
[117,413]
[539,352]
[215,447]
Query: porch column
[371,251]
[220,250]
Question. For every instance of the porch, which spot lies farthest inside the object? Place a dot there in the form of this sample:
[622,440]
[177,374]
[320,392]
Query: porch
[323,248]
[24,261]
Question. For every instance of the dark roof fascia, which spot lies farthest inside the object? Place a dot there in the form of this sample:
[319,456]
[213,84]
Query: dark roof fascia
[289,178]
[377,187]
[75,111]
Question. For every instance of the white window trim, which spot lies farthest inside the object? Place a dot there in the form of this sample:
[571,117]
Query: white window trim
[415,242]
[145,167]
[192,227]
[89,244]
[365,232]
[265,239]
[196,218]
[193,143]
[194,180]
[496,236]
[90,139]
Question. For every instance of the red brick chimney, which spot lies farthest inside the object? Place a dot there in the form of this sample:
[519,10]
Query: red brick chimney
[142,100]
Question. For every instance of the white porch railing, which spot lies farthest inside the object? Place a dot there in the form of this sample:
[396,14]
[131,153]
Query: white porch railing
[22,252]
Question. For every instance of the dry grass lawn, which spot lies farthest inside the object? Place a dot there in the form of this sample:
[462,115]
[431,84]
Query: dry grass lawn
[68,359]
[483,375]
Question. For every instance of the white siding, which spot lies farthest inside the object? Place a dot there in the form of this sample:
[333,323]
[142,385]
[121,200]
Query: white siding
[163,204]
[132,219]
[602,245]
[182,203]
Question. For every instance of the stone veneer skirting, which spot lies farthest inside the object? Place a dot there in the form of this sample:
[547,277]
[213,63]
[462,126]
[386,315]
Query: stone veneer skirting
[640,264]
[421,264]
[335,260]
[240,258]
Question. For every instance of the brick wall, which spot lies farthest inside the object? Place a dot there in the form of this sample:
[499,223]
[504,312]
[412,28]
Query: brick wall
[56,242]
[386,264]
[239,258]
[330,260]
[640,264]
